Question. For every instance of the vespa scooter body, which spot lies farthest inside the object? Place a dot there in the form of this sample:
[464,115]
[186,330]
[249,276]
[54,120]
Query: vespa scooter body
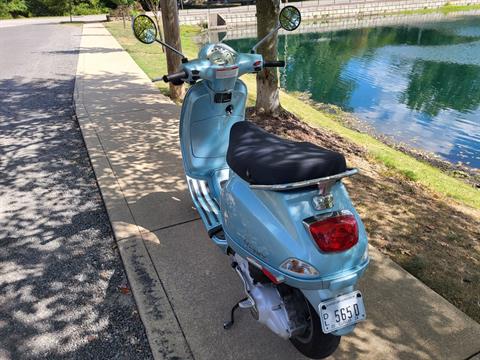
[291,231]
[264,226]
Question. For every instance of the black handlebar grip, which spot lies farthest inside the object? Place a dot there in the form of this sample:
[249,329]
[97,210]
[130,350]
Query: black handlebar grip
[279,63]
[175,78]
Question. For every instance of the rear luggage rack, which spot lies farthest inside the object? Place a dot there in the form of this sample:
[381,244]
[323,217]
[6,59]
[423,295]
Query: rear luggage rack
[301,184]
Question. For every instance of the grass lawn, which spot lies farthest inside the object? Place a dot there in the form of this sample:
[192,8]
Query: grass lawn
[445,9]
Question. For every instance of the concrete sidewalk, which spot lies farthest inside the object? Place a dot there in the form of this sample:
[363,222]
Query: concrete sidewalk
[183,285]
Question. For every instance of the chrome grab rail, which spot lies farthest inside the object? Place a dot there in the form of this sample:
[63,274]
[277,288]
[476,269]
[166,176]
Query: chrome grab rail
[301,184]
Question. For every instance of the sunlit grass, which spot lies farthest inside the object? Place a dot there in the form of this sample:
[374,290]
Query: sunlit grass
[152,60]
[446,9]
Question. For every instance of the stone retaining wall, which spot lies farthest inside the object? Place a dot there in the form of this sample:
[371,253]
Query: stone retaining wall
[348,23]
[320,10]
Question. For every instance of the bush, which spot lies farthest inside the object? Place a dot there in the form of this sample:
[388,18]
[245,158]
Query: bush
[87,9]
[13,8]
[4,11]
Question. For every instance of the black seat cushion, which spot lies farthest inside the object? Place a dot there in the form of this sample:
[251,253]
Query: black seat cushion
[261,158]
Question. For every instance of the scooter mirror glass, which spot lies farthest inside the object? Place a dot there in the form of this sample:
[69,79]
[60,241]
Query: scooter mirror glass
[144,29]
[290,18]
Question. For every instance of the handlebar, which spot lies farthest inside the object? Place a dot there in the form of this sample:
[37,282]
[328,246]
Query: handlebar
[175,78]
[279,63]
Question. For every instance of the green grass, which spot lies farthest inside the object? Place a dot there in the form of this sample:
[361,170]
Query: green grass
[152,60]
[445,9]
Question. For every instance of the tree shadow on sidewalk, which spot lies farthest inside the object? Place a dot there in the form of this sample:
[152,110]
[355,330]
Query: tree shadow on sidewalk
[61,278]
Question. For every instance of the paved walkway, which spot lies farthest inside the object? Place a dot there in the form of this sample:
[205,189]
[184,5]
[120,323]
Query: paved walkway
[183,285]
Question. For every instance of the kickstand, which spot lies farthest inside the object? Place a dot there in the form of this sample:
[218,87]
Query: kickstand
[228,324]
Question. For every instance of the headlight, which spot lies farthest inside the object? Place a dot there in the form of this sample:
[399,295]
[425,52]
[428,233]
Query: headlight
[299,268]
[222,54]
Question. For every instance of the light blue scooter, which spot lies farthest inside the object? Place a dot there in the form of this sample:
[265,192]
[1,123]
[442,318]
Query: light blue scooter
[278,208]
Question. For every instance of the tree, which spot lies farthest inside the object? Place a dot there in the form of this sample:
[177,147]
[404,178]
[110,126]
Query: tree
[13,8]
[267,79]
[124,7]
[48,7]
[154,7]
[171,30]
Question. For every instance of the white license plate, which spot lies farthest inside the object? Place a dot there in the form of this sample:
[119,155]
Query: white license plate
[342,311]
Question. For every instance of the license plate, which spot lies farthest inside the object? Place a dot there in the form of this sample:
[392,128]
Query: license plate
[342,311]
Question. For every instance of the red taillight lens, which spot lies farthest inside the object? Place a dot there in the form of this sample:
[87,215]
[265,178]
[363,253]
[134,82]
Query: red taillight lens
[336,233]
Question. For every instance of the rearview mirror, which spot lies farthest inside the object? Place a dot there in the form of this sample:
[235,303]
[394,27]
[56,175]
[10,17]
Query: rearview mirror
[144,29]
[290,18]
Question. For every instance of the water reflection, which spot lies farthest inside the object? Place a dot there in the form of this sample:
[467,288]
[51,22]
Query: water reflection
[419,84]
[436,86]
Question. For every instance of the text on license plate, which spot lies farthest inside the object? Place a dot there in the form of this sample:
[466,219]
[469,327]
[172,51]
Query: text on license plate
[342,311]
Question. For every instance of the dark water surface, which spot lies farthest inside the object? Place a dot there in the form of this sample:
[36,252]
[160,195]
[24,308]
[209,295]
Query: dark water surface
[418,84]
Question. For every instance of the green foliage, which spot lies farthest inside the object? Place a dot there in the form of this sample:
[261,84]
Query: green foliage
[87,8]
[15,8]
[48,7]
[4,10]
[124,2]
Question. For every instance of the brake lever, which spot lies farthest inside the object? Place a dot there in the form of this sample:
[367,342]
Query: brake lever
[157,79]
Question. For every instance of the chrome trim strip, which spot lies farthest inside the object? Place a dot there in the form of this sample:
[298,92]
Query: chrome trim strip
[301,184]
[313,219]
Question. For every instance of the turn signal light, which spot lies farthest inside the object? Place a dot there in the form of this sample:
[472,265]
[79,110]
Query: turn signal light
[299,267]
[338,232]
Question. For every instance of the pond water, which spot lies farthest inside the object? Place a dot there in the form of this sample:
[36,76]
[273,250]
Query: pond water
[417,84]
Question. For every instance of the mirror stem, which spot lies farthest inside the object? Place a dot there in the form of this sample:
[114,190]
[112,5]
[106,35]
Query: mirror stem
[171,48]
[254,49]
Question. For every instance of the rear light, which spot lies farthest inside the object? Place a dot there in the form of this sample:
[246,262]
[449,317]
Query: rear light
[335,232]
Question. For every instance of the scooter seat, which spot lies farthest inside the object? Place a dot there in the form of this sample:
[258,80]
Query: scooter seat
[261,158]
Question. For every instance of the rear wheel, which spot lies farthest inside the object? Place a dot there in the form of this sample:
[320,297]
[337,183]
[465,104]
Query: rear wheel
[313,343]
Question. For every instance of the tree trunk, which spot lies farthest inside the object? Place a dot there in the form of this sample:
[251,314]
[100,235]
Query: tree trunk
[267,79]
[171,31]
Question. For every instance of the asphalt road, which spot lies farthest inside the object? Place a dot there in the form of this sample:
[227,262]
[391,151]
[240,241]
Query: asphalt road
[63,290]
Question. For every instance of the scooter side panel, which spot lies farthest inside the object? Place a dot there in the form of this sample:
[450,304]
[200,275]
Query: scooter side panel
[268,226]
[205,128]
